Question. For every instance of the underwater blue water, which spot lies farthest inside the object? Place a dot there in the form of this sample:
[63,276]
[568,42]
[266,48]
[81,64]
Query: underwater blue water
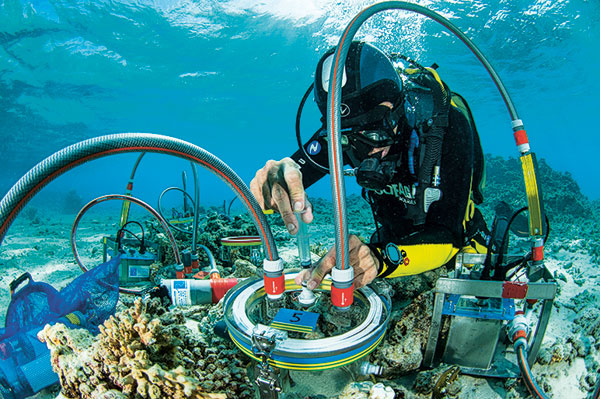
[228,76]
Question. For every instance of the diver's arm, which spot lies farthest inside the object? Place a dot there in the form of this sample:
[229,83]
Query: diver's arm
[316,148]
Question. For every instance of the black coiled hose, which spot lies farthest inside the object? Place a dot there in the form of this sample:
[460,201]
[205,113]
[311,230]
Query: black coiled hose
[77,154]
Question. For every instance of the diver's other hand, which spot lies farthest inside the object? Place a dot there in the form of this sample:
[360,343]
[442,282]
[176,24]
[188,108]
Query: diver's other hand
[278,186]
[360,257]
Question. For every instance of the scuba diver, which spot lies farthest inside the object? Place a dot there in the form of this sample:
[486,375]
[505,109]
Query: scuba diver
[416,153]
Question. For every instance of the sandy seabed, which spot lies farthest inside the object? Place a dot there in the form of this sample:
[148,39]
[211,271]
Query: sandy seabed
[566,366]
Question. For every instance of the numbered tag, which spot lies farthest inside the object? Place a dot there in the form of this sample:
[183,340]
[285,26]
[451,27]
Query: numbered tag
[295,320]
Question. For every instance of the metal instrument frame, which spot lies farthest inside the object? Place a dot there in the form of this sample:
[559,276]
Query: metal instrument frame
[544,291]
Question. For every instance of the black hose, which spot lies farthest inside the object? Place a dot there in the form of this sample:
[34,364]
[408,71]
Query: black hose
[120,197]
[532,386]
[60,162]
[185,195]
[299,136]
[123,229]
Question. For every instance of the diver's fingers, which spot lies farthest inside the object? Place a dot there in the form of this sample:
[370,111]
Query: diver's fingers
[293,179]
[257,190]
[281,201]
[307,215]
[260,186]
[362,259]
[322,267]
[364,278]
[302,276]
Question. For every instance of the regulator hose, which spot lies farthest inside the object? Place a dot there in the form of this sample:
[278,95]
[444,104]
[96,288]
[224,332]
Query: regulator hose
[60,162]
[532,386]
[334,99]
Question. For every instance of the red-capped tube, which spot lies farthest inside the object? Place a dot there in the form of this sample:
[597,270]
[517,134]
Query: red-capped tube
[220,286]
[342,287]
[342,297]
[274,279]
[195,264]
[179,272]
[537,251]
[274,285]
[520,136]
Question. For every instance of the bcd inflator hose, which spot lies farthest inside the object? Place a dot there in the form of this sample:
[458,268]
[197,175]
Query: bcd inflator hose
[77,154]
[334,116]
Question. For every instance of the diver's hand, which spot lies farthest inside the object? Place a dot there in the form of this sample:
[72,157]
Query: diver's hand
[278,186]
[360,257]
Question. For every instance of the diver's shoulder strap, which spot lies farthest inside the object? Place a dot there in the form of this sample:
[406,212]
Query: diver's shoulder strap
[479,169]
[428,178]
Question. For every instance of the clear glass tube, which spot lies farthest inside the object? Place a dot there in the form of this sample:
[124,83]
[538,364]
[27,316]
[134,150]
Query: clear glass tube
[303,240]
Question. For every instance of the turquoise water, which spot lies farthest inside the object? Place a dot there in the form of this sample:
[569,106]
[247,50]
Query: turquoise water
[228,76]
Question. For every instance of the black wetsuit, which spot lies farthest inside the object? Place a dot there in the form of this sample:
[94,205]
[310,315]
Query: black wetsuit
[404,247]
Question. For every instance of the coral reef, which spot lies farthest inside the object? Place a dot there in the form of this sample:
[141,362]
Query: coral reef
[144,352]
[402,351]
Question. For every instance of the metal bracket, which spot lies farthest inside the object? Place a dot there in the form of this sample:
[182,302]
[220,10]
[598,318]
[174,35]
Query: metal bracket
[267,379]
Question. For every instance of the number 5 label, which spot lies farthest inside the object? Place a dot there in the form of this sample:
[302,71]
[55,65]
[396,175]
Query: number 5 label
[295,320]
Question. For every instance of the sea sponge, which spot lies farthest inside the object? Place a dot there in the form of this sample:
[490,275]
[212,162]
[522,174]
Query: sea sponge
[145,351]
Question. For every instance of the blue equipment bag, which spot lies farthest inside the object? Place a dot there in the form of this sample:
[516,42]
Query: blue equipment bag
[25,366]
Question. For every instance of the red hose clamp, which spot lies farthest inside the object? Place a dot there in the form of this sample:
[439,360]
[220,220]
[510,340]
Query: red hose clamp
[342,297]
[274,278]
[274,286]
[520,136]
[220,286]
[342,287]
[179,272]
[519,334]
[537,251]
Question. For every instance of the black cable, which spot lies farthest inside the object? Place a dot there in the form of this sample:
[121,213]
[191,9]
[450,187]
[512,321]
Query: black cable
[123,229]
[229,207]
[161,212]
[298,136]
